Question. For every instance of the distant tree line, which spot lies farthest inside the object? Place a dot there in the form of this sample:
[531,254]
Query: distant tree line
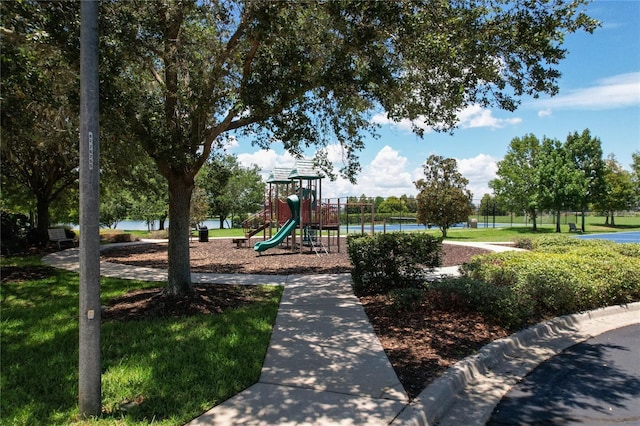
[549,175]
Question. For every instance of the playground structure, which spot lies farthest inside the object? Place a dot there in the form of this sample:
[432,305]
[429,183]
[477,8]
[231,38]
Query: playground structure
[293,205]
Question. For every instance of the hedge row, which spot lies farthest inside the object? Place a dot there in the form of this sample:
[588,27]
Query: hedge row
[383,262]
[561,275]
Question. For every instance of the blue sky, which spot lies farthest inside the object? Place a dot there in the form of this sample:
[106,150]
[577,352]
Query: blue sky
[599,90]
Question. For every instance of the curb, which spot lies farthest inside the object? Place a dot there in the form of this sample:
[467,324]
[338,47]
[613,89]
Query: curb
[469,391]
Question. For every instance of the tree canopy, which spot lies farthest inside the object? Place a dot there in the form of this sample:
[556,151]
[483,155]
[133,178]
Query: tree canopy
[585,152]
[178,76]
[619,193]
[516,183]
[230,188]
[635,167]
[39,105]
[560,182]
[443,198]
[550,174]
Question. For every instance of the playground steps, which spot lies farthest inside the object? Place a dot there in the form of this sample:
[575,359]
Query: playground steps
[254,231]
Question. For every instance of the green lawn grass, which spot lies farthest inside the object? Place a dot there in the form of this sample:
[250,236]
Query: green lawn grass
[594,224]
[213,233]
[545,225]
[164,371]
[510,234]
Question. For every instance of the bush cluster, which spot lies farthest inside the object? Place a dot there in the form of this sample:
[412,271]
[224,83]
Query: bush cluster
[383,262]
[405,299]
[561,275]
[117,237]
[17,232]
[502,305]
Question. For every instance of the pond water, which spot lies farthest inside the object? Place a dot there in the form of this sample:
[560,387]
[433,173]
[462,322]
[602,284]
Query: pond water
[140,225]
[408,227]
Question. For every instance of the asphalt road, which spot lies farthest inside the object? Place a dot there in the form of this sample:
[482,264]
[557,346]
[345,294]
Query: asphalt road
[596,382]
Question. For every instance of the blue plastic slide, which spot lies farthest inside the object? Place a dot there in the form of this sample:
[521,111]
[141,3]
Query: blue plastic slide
[289,226]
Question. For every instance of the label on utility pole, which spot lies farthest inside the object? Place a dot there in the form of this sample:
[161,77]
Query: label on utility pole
[90,150]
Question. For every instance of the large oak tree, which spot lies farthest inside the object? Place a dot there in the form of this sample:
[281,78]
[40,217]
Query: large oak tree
[311,73]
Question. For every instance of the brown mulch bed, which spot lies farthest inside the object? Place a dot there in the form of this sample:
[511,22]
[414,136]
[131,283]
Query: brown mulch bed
[153,303]
[222,257]
[420,344]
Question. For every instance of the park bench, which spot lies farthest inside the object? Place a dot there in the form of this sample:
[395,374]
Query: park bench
[574,228]
[57,235]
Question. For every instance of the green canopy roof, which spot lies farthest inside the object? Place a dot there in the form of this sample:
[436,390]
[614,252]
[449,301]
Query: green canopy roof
[304,169]
[279,175]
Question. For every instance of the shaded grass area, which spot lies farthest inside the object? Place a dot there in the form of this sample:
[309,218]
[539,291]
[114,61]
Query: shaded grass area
[160,370]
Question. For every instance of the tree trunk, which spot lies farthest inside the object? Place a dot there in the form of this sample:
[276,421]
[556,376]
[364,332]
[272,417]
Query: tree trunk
[222,219]
[534,220]
[43,219]
[606,220]
[179,280]
[613,221]
[583,225]
[558,221]
[161,222]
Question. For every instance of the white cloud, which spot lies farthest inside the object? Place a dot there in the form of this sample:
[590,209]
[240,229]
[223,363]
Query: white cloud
[386,175]
[479,170]
[266,160]
[389,173]
[544,113]
[230,143]
[335,154]
[473,116]
[618,91]
[404,124]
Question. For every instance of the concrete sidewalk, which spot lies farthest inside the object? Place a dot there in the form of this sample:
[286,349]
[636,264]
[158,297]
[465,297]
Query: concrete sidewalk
[325,365]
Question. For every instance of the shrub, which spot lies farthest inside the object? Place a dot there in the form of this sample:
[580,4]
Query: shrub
[500,269]
[564,275]
[383,262]
[629,249]
[406,299]
[17,232]
[555,242]
[523,243]
[503,305]
[159,234]
[119,237]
